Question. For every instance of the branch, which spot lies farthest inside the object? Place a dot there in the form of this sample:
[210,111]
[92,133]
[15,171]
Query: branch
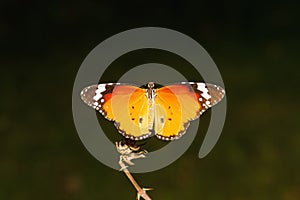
[127,155]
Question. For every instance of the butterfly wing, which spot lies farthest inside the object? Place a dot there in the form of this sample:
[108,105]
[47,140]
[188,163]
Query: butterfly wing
[178,104]
[126,105]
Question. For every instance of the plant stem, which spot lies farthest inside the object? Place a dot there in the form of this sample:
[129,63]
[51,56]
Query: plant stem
[141,192]
[127,155]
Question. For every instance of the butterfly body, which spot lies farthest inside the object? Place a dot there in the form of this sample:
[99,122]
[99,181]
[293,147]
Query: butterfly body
[166,111]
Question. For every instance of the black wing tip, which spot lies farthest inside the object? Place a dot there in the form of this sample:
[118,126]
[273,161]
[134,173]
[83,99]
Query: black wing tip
[211,86]
[88,93]
[217,93]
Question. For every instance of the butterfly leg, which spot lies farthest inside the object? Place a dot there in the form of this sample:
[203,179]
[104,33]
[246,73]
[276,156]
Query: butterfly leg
[127,155]
[133,155]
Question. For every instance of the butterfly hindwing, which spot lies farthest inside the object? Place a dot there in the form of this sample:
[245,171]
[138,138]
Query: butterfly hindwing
[168,112]
[126,105]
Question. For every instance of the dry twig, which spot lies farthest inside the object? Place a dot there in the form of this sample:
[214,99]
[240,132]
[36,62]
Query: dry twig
[128,154]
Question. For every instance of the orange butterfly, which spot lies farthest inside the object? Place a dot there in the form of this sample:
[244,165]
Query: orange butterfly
[167,110]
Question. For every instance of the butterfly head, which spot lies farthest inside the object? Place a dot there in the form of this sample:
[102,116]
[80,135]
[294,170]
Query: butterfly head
[150,85]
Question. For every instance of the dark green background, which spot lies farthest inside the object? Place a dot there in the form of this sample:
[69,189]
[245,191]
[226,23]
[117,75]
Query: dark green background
[255,46]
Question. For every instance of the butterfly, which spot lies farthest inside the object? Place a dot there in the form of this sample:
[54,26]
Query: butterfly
[166,111]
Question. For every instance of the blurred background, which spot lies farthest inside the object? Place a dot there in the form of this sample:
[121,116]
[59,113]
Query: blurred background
[255,45]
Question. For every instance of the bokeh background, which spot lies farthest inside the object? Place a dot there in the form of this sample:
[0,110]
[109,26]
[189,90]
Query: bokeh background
[255,45]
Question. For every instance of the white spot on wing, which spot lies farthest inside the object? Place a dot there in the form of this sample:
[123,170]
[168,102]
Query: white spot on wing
[97,97]
[101,88]
[204,90]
